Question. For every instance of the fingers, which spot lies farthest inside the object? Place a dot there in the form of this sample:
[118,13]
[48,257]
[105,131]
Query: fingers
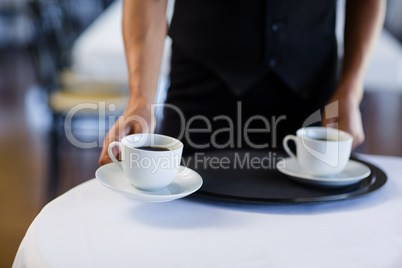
[346,117]
[350,123]
[104,156]
[123,127]
[331,122]
[358,136]
[116,133]
[357,140]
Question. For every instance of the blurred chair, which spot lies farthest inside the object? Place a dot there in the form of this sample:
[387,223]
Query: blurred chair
[57,28]
[80,110]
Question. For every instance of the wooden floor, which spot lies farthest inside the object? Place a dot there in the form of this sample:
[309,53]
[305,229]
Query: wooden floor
[22,157]
[24,149]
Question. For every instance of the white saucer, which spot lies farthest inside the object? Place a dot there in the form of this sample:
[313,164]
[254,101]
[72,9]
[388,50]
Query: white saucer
[186,182]
[353,173]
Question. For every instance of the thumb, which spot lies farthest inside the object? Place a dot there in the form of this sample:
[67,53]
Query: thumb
[330,122]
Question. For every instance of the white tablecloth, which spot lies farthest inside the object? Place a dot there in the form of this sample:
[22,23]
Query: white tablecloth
[90,226]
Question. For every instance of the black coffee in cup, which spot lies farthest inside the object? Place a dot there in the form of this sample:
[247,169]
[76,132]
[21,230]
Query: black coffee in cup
[153,148]
[320,139]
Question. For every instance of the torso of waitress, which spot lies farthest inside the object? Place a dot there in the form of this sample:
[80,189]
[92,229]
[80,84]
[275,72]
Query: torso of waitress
[243,73]
[266,65]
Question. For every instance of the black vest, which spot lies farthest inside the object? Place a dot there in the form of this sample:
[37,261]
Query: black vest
[241,41]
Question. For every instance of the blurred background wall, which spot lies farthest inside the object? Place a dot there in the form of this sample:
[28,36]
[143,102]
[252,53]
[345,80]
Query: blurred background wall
[56,54]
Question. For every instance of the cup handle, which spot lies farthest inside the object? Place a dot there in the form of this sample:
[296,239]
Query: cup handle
[109,150]
[286,147]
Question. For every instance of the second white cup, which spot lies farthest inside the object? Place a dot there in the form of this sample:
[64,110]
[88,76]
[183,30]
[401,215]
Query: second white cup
[320,151]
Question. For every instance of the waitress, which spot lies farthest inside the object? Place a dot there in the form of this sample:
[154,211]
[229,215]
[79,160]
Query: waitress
[245,73]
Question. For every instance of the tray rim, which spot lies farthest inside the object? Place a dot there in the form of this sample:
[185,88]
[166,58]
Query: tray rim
[377,179]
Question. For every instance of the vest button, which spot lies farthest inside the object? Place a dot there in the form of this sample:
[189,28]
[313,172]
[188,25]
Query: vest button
[277,26]
[273,62]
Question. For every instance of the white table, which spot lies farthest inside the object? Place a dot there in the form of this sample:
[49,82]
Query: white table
[90,226]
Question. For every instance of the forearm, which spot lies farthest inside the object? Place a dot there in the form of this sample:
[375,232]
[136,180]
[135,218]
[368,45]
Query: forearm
[144,31]
[363,22]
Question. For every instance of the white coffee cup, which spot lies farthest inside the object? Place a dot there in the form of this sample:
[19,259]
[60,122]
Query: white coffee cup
[145,169]
[320,151]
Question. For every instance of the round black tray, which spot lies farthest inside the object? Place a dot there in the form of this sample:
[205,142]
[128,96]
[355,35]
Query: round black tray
[232,176]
